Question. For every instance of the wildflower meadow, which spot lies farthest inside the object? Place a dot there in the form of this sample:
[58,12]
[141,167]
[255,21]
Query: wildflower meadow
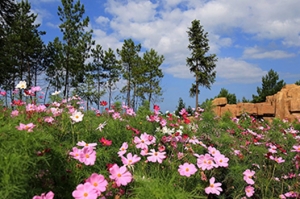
[59,150]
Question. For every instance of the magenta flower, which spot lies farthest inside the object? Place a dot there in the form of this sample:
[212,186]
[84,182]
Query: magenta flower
[26,127]
[88,156]
[85,191]
[187,169]
[123,149]
[156,156]
[205,162]
[249,191]
[99,182]
[49,195]
[213,187]
[130,160]
[221,160]
[120,174]
[248,175]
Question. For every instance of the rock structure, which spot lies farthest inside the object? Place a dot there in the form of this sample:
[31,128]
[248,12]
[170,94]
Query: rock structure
[284,105]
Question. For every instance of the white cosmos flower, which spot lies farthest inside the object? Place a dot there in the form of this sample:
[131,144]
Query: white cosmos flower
[55,93]
[77,116]
[21,85]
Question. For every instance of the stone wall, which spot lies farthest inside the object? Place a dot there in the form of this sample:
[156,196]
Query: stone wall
[284,105]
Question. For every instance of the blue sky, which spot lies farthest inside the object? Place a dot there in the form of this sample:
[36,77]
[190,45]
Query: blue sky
[249,38]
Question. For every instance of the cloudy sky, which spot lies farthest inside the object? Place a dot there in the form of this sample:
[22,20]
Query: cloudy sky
[249,38]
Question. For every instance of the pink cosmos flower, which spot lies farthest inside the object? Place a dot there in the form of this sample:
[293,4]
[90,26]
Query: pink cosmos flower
[49,120]
[116,115]
[123,149]
[143,141]
[130,160]
[120,174]
[296,148]
[187,169]
[76,153]
[213,187]
[14,113]
[99,182]
[26,127]
[248,175]
[156,156]
[49,195]
[85,191]
[249,191]
[221,160]
[129,111]
[278,160]
[205,162]
[213,151]
[88,156]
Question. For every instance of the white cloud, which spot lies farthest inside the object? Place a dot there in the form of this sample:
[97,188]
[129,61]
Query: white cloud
[259,53]
[102,20]
[238,71]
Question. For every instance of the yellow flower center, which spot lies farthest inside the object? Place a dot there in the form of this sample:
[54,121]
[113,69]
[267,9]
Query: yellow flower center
[119,175]
[87,155]
[95,184]
[85,194]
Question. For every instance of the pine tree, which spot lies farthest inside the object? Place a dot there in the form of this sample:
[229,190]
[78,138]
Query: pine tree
[152,75]
[200,63]
[231,98]
[23,50]
[75,46]
[112,70]
[97,72]
[270,86]
[130,60]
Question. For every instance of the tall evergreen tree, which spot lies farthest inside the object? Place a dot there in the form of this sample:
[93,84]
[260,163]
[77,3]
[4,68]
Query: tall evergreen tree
[112,70]
[76,44]
[23,50]
[270,86]
[200,63]
[130,60]
[152,75]
[7,11]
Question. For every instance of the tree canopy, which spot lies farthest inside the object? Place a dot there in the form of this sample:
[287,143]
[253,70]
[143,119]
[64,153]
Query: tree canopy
[270,86]
[200,63]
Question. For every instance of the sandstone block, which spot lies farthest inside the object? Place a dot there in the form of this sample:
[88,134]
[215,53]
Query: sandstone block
[221,101]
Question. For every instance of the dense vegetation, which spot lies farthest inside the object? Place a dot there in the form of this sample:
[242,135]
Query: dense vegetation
[59,149]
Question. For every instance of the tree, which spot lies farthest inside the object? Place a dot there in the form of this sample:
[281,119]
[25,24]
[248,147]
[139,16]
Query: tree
[231,98]
[75,46]
[112,70]
[270,86]
[152,75]
[200,63]
[180,106]
[7,11]
[97,71]
[23,50]
[130,60]
[297,82]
